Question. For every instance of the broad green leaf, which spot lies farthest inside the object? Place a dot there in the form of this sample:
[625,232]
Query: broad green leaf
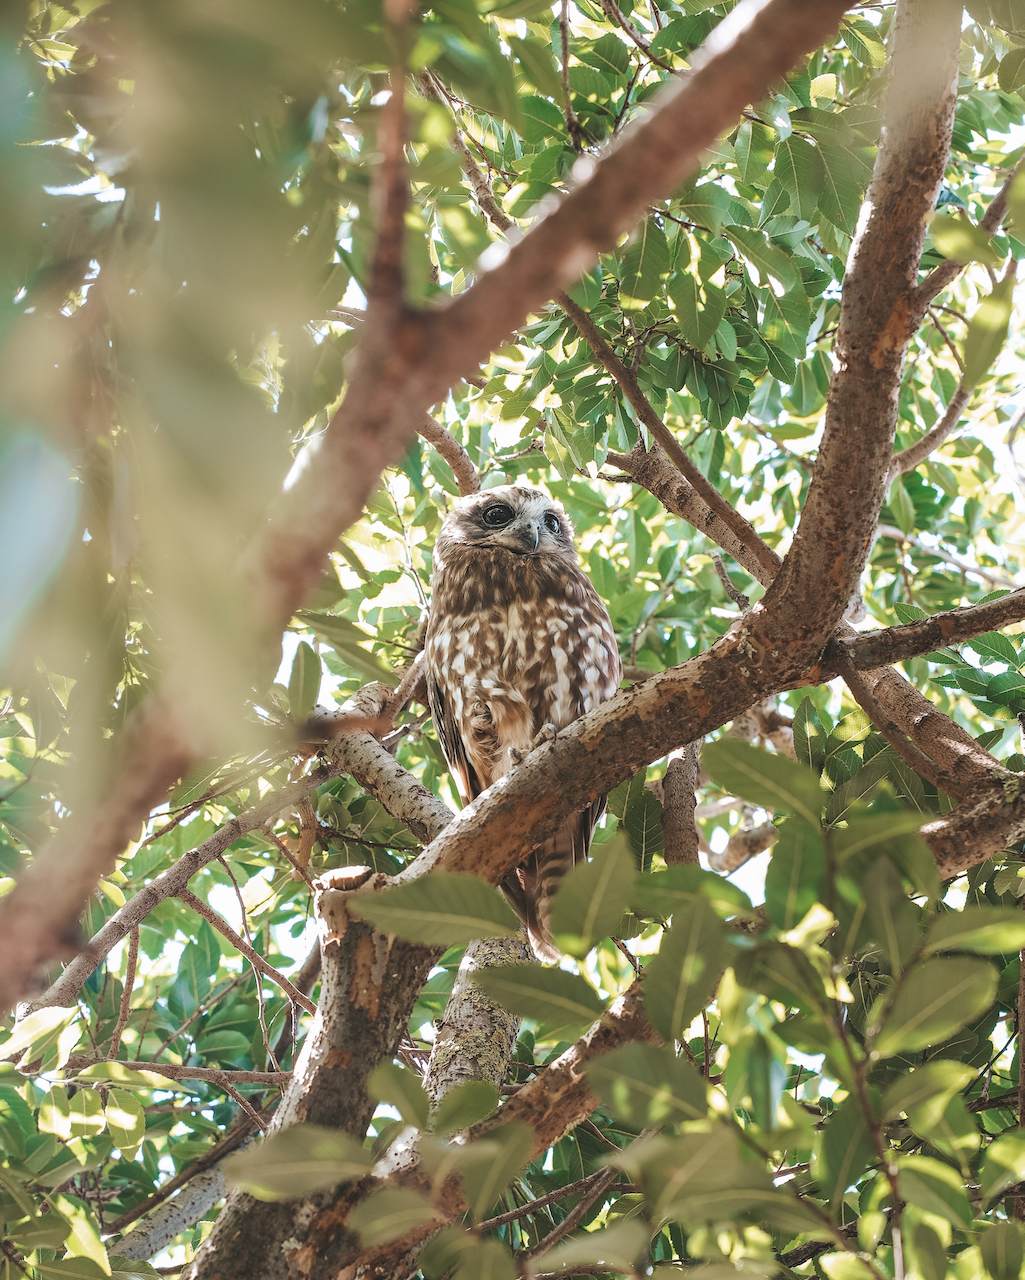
[680,980]
[35,1034]
[933,1083]
[793,881]
[69,1268]
[388,1213]
[507,1149]
[936,998]
[782,973]
[935,1188]
[297,1162]
[440,909]
[643,266]
[129,1269]
[86,1114]
[648,1085]
[862,38]
[303,683]
[401,1089]
[1003,1246]
[126,1122]
[589,903]
[708,205]
[55,1113]
[1003,1164]
[662,893]
[989,931]
[893,919]
[962,241]
[772,781]
[617,1247]
[846,1152]
[463,1105]
[809,736]
[345,638]
[929,1253]
[551,996]
[987,331]
[489,1260]
[767,259]
[84,1240]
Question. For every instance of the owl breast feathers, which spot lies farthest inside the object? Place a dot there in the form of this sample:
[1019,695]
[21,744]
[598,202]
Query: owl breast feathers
[517,639]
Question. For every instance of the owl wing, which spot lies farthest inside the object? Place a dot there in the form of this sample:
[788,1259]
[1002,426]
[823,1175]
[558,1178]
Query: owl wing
[445,712]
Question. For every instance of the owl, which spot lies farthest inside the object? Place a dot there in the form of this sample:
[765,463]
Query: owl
[517,640]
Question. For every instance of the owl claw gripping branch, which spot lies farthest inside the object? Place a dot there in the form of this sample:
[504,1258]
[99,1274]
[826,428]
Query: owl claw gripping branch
[518,642]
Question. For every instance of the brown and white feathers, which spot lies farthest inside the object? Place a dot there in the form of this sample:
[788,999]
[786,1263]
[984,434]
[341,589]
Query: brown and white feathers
[517,639]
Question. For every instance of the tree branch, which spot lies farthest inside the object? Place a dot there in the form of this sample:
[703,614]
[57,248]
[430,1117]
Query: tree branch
[243,947]
[897,644]
[848,486]
[708,493]
[938,279]
[169,884]
[619,18]
[909,458]
[440,438]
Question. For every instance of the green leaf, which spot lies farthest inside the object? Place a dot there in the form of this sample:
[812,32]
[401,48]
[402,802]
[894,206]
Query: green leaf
[401,1089]
[862,38]
[934,1188]
[937,998]
[782,973]
[617,1247]
[536,60]
[987,331]
[440,909]
[771,781]
[932,1084]
[1003,1163]
[1002,1245]
[680,980]
[644,264]
[767,259]
[303,683]
[388,1213]
[35,1034]
[708,205]
[662,893]
[647,1085]
[502,1152]
[799,168]
[465,1104]
[963,242]
[846,1152]
[894,921]
[589,903]
[793,881]
[989,931]
[550,996]
[126,1122]
[297,1162]
[344,637]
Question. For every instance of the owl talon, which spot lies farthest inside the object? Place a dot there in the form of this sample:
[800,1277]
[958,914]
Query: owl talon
[547,733]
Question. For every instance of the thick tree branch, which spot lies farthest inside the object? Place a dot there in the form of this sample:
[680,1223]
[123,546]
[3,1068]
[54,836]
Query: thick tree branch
[848,486]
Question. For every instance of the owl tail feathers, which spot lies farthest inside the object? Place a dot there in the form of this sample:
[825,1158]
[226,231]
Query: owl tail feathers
[532,886]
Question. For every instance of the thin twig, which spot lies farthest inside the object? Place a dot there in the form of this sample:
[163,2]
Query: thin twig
[125,1010]
[616,14]
[600,1184]
[739,599]
[572,123]
[240,945]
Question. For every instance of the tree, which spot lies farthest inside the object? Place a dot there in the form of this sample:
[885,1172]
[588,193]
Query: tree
[638,255]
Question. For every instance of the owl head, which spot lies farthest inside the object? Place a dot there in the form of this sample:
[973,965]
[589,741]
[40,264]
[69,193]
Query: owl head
[514,516]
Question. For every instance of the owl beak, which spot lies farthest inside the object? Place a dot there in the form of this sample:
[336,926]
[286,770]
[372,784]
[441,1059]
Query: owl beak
[523,535]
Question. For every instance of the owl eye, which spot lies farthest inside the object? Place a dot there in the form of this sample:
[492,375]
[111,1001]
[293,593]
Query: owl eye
[497,515]
[552,523]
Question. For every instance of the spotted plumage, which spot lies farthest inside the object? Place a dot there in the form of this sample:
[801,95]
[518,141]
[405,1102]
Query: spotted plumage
[517,639]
